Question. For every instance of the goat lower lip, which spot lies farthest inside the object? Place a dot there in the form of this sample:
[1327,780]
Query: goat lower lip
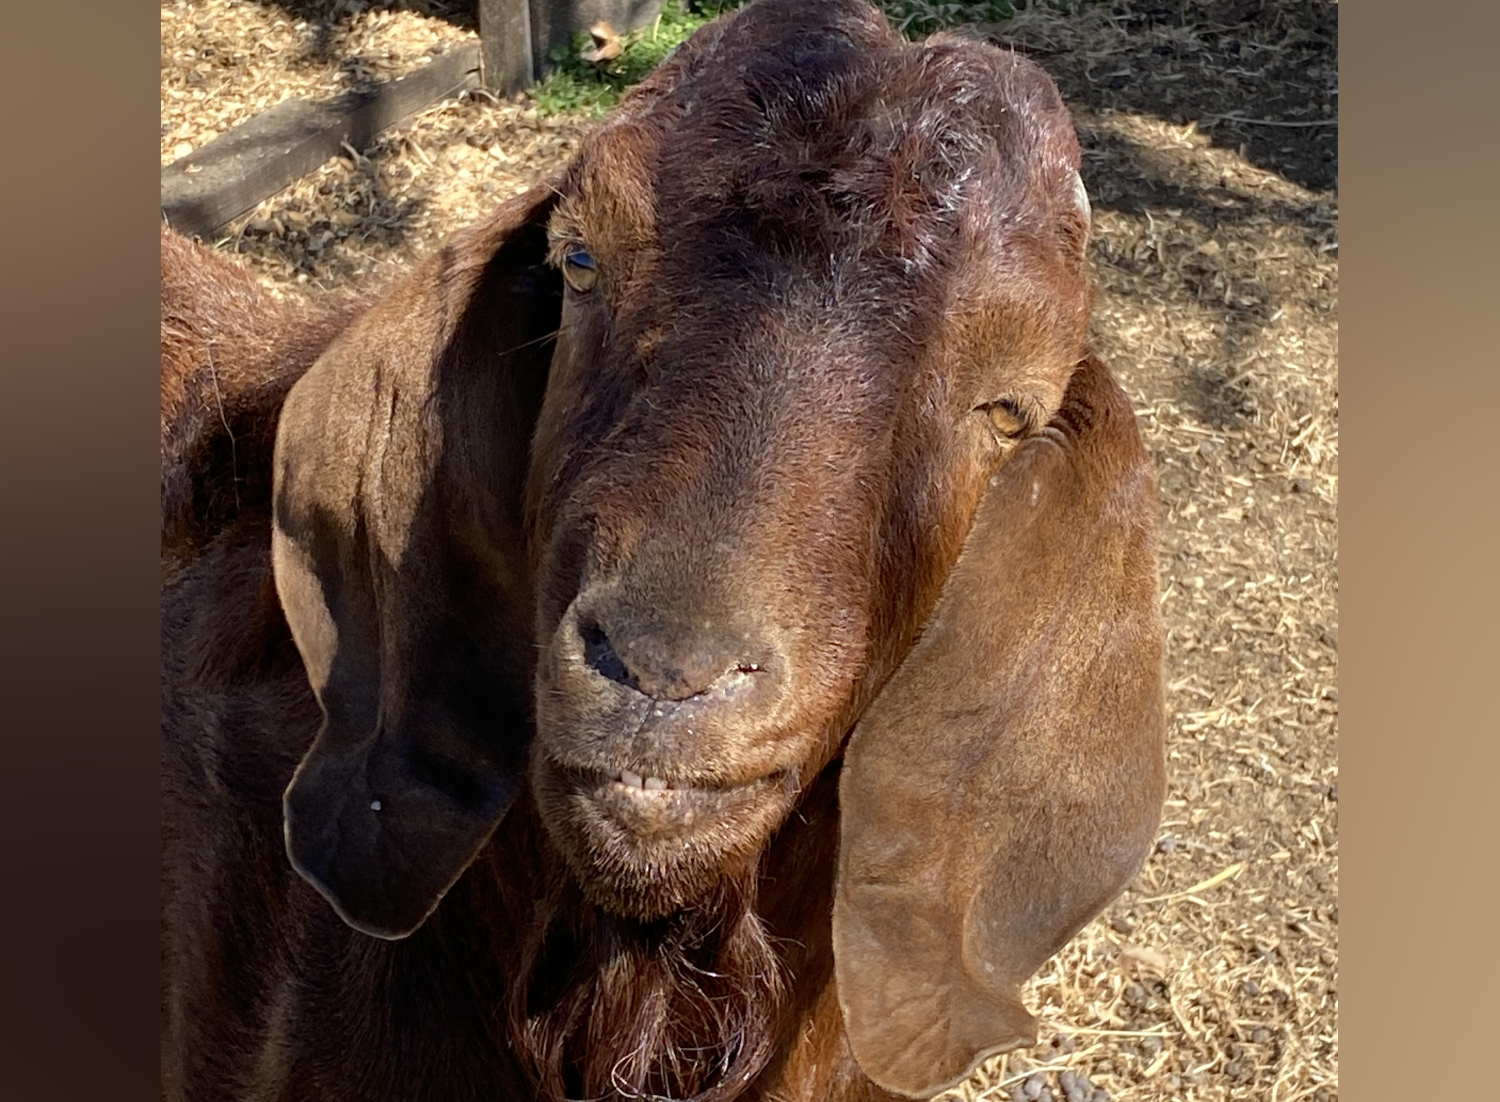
[674,808]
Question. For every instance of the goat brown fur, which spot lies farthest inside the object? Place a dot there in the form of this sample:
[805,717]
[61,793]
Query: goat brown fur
[229,354]
[700,639]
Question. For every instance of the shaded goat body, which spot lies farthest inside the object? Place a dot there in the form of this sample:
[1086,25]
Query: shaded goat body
[696,635]
[229,354]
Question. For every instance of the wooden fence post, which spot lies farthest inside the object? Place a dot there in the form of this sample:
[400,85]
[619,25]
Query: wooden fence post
[505,45]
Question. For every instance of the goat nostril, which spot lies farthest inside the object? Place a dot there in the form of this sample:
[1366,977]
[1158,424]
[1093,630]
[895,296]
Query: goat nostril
[600,655]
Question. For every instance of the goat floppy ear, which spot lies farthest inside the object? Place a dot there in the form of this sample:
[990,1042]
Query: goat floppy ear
[400,562]
[1007,782]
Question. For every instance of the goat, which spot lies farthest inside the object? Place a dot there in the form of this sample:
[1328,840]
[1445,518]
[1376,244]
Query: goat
[701,639]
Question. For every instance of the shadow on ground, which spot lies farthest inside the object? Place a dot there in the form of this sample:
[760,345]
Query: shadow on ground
[1216,64]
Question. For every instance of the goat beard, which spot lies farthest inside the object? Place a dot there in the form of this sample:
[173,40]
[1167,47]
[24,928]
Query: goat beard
[684,1007]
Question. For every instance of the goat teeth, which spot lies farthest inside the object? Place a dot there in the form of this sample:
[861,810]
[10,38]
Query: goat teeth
[632,779]
[655,784]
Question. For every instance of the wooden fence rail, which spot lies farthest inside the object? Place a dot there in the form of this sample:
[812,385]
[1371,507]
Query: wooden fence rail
[229,175]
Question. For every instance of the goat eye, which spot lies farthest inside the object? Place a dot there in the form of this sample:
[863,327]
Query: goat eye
[1007,417]
[580,270]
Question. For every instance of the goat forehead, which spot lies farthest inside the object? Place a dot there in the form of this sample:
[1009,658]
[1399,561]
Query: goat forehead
[845,108]
[829,95]
[869,170]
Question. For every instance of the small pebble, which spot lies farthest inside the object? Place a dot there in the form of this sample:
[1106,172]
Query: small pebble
[1035,1084]
[1234,1069]
[1100,1095]
[1150,1045]
[1252,988]
[1045,1096]
[1135,995]
[1121,924]
[1167,844]
[1260,1036]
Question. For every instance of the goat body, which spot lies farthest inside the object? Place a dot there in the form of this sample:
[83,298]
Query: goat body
[695,636]
[229,354]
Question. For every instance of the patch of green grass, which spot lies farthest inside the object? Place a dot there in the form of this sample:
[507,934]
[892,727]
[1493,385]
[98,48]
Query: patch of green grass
[576,85]
[918,18]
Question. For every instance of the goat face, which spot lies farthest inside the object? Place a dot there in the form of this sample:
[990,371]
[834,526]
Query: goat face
[765,435]
[813,300]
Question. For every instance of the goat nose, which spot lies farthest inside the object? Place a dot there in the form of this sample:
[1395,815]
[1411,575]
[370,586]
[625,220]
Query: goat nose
[672,666]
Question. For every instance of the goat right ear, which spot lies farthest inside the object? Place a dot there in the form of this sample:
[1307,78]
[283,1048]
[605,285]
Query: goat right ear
[401,565]
[1007,781]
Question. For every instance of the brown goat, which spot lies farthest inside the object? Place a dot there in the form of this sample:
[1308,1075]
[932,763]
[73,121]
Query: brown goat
[703,638]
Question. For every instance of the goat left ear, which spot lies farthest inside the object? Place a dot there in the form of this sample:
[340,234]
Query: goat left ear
[1007,782]
[401,566]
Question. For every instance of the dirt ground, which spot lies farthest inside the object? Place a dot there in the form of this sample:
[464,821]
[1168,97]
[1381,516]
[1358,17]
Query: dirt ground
[1210,152]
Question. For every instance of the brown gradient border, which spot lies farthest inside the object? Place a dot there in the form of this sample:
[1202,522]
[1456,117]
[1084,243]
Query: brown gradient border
[78,814]
[1418,529]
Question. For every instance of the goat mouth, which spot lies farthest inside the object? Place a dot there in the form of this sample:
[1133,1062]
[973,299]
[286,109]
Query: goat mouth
[627,804]
[631,781]
[646,852]
[648,806]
